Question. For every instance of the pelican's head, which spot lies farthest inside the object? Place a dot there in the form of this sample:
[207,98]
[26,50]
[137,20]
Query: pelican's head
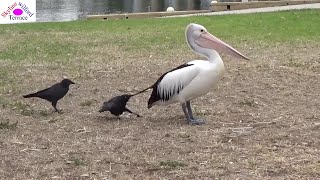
[200,40]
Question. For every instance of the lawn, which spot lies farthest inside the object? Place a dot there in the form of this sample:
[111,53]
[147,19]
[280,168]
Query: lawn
[262,120]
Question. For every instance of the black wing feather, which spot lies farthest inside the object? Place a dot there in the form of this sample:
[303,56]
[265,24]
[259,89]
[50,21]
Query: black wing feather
[155,96]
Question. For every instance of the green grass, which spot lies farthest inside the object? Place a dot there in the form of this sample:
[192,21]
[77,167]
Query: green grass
[286,25]
[172,164]
[248,102]
[21,108]
[59,41]
[76,162]
[18,106]
[7,125]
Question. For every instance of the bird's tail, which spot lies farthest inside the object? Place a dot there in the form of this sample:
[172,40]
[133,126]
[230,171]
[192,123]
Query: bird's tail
[142,91]
[29,95]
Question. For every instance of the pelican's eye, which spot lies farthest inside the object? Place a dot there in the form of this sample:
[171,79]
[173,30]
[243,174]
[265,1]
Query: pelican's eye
[201,30]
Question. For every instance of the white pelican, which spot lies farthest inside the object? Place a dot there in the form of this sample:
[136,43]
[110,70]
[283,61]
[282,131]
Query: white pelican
[195,78]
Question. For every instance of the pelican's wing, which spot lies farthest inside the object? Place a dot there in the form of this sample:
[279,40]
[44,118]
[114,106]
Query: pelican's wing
[172,82]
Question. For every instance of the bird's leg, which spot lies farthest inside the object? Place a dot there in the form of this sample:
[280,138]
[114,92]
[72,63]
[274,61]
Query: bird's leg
[128,110]
[188,104]
[184,108]
[189,119]
[54,104]
[194,120]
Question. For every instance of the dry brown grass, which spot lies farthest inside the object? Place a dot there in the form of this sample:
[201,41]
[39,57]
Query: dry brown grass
[262,120]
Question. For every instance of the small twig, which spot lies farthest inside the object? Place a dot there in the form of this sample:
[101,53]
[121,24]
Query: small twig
[30,149]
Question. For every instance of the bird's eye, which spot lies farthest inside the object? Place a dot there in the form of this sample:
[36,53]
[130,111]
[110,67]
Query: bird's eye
[201,30]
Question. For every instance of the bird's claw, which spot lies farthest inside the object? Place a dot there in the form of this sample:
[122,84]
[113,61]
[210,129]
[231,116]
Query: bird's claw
[196,121]
[59,111]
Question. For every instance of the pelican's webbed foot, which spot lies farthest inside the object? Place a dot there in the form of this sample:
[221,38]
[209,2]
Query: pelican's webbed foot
[196,121]
[189,116]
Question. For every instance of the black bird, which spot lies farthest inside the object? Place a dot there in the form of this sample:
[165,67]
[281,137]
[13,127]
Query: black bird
[54,93]
[117,105]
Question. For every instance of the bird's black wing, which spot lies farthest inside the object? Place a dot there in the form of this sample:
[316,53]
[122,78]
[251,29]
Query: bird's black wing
[119,101]
[166,86]
[53,93]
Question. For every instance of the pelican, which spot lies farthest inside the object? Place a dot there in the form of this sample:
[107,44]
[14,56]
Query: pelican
[195,78]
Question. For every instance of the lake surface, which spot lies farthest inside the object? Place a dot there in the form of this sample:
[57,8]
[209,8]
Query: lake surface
[66,10]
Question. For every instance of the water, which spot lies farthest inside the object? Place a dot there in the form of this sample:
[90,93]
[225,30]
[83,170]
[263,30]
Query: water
[66,10]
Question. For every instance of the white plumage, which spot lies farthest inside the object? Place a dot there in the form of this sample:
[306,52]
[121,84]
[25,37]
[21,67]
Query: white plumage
[195,78]
[175,81]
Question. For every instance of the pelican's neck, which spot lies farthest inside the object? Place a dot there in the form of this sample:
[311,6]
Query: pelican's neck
[213,56]
[216,62]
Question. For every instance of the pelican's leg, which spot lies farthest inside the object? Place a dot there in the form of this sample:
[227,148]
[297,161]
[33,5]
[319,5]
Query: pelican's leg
[187,114]
[189,109]
[184,108]
[199,121]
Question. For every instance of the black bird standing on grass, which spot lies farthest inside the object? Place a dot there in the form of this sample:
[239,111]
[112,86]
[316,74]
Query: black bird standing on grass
[117,105]
[54,93]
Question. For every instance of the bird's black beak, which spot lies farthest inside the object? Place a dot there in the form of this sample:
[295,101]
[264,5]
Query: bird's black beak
[72,82]
[102,110]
